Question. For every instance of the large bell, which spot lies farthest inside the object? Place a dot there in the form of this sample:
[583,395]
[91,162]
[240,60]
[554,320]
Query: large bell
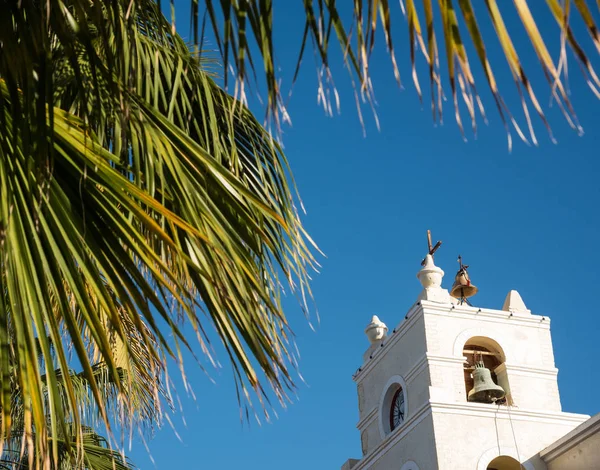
[484,389]
[462,287]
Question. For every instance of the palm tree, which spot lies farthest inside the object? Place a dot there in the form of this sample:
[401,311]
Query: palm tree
[130,199]
[132,398]
[92,452]
[137,195]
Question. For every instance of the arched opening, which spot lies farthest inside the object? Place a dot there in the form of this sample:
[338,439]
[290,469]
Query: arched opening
[410,465]
[486,350]
[504,462]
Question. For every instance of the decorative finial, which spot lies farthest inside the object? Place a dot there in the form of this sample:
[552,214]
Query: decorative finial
[430,275]
[514,303]
[376,330]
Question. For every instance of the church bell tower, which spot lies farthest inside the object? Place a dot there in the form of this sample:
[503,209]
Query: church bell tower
[455,386]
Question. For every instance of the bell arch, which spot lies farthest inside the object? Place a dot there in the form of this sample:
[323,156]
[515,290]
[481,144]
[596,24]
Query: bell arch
[504,462]
[410,465]
[499,455]
[476,347]
[489,336]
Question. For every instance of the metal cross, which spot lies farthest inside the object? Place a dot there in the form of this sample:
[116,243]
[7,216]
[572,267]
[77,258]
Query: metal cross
[432,249]
[462,266]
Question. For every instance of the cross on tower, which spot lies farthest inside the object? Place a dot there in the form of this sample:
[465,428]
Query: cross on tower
[432,249]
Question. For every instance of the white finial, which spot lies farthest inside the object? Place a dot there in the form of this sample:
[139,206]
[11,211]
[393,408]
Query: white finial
[514,303]
[431,280]
[376,330]
[430,275]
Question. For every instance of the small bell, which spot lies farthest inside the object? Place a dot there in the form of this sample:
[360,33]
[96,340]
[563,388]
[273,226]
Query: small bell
[462,288]
[484,389]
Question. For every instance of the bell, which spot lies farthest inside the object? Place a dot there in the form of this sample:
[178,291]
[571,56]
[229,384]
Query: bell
[484,389]
[462,287]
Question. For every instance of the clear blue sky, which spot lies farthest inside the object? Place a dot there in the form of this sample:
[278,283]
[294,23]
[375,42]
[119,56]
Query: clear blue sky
[528,220]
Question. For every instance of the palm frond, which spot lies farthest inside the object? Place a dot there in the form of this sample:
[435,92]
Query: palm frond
[324,26]
[135,194]
[93,453]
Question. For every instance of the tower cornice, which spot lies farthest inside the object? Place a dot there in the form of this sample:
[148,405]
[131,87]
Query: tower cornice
[425,307]
[466,311]
[467,409]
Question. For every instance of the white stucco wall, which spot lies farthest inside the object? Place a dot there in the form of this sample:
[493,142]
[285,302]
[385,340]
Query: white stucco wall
[524,339]
[584,456]
[403,354]
[577,450]
[468,437]
[406,446]
[442,430]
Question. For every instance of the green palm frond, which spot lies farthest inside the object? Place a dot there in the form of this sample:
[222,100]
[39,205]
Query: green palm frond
[93,452]
[79,446]
[437,30]
[132,399]
[137,196]
[135,193]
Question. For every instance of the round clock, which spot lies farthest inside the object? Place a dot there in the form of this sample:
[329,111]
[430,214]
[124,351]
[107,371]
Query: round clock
[397,410]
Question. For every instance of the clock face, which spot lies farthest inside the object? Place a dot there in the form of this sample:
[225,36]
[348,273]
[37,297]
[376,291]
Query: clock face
[397,411]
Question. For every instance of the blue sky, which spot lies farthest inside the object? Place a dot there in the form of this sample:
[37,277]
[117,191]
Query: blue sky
[527,220]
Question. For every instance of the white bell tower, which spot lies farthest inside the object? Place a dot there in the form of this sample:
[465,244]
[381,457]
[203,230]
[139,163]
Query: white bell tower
[413,386]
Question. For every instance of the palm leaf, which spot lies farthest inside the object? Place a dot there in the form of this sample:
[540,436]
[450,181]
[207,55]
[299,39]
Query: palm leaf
[358,37]
[135,193]
[131,201]
[93,453]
